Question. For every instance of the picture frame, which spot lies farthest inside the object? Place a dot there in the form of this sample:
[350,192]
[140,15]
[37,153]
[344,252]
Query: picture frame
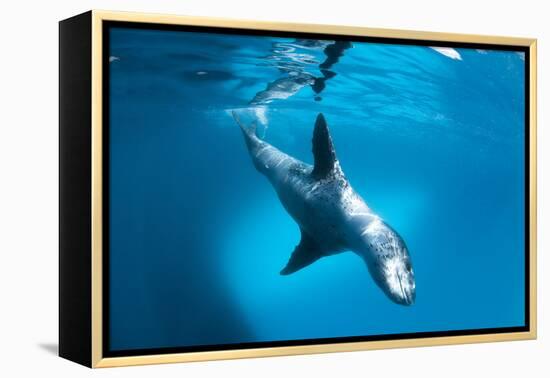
[84,106]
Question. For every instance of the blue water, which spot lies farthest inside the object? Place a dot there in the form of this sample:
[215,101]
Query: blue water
[432,140]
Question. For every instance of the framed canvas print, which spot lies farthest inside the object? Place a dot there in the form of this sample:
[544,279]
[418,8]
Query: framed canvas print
[235,189]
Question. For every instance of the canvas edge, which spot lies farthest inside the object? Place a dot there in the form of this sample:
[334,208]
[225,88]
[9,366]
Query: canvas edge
[74,274]
[98,16]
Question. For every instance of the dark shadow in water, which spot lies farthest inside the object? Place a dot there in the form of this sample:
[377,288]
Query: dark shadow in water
[333,52]
[169,286]
[51,348]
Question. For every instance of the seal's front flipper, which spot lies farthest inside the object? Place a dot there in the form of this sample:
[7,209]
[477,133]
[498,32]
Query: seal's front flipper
[305,253]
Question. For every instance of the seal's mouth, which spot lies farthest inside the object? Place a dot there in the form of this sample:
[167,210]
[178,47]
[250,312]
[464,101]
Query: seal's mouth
[407,296]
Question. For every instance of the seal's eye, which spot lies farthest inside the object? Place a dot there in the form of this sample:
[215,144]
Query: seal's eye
[408,265]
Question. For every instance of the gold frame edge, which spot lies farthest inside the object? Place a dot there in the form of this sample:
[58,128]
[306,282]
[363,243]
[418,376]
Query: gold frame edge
[533,188]
[97,191]
[98,16]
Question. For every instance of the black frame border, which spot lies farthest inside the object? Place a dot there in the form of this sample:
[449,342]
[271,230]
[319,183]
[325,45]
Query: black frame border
[108,25]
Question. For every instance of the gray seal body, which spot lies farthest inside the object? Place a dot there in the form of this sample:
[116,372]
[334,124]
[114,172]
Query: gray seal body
[332,217]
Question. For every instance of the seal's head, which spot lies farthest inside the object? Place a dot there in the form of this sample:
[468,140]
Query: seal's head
[389,262]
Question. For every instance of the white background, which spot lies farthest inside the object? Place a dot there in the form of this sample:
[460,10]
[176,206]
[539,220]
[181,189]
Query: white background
[29,188]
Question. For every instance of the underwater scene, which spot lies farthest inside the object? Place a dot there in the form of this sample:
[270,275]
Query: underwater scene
[267,188]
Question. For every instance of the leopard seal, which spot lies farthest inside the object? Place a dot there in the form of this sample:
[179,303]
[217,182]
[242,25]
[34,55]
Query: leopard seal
[332,217]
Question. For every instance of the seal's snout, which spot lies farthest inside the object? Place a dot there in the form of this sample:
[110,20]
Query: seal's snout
[395,280]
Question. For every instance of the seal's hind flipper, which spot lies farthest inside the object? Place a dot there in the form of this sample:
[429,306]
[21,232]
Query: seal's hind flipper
[305,253]
[323,150]
[248,131]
